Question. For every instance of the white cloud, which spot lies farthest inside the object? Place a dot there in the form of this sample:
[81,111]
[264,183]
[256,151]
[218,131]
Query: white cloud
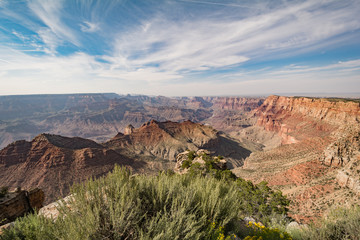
[89,27]
[19,35]
[50,13]
[50,39]
[161,54]
[215,43]
[21,73]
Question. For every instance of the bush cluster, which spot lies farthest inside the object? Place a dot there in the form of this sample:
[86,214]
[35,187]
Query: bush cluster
[260,232]
[166,206]
[340,224]
[208,169]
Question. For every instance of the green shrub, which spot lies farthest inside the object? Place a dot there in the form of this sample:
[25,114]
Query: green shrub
[191,155]
[121,206]
[341,223]
[260,232]
[166,206]
[186,164]
[260,201]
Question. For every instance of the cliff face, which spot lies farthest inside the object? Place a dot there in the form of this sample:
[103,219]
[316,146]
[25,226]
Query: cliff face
[335,113]
[234,103]
[298,118]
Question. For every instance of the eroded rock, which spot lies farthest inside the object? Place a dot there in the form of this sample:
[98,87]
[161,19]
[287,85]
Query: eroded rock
[17,204]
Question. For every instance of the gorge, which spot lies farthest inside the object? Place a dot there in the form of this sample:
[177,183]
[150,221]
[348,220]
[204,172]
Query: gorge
[306,147]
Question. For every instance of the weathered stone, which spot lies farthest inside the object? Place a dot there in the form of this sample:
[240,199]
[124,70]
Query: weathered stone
[6,226]
[342,178]
[17,204]
[129,129]
[52,210]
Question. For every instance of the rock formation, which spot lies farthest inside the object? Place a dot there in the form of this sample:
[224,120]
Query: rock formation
[164,140]
[129,130]
[53,163]
[196,157]
[18,203]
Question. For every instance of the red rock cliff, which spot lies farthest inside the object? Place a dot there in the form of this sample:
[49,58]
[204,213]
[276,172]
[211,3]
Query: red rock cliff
[296,118]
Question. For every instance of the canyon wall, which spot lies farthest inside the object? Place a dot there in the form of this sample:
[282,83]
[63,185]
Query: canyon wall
[245,104]
[314,117]
[332,112]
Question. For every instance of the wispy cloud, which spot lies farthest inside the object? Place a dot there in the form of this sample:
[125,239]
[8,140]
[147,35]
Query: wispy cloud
[159,52]
[89,27]
[50,13]
[220,4]
[212,43]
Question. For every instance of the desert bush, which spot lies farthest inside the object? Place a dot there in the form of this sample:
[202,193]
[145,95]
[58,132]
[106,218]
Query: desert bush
[339,224]
[191,155]
[260,232]
[166,206]
[260,201]
[186,164]
[210,169]
[121,206]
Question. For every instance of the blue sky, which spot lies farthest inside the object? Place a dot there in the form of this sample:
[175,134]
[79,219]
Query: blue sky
[179,47]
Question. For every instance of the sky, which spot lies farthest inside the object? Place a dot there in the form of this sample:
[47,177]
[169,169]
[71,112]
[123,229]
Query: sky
[179,47]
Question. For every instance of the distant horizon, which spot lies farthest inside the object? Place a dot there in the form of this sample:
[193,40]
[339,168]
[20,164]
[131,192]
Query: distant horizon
[179,47]
[354,95]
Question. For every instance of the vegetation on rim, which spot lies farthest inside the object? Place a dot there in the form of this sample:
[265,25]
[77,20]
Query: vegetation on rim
[174,206]
[166,206]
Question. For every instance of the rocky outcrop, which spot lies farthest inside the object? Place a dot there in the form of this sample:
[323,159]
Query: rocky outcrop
[187,158]
[345,149]
[344,154]
[348,180]
[129,129]
[52,210]
[17,204]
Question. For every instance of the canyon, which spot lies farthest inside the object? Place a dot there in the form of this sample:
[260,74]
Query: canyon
[306,147]
[53,162]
